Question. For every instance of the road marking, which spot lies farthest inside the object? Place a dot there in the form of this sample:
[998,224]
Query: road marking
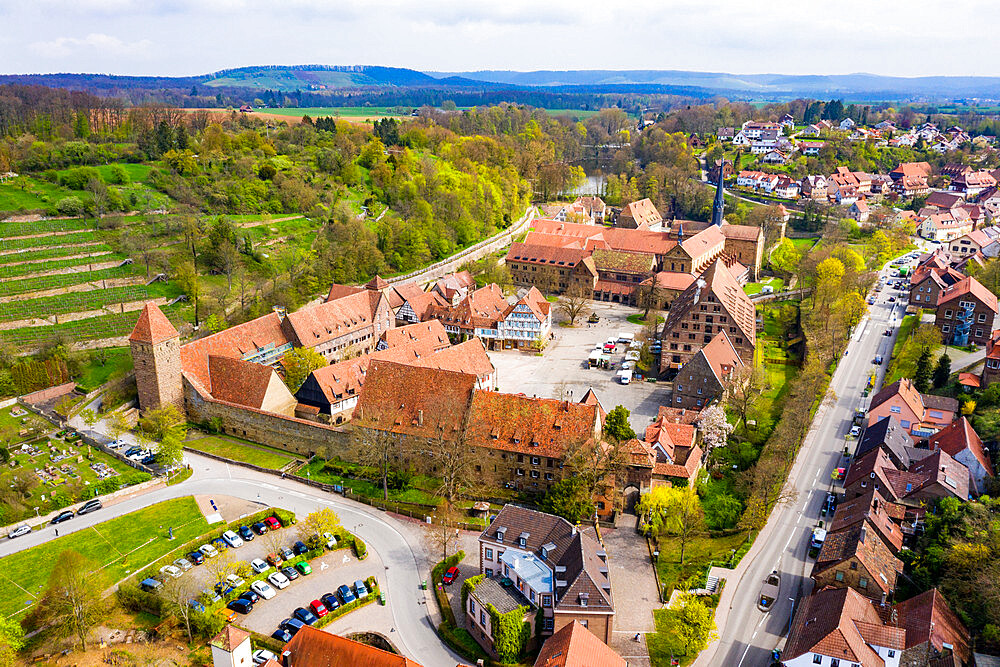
[799,518]
[754,635]
[743,657]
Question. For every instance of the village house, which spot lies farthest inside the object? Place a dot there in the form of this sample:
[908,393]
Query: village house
[857,558]
[925,480]
[859,211]
[639,215]
[910,178]
[972,183]
[927,283]
[774,156]
[727,170]
[941,226]
[978,240]
[877,515]
[667,455]
[991,368]
[966,312]
[725,133]
[921,415]
[714,302]
[575,646]
[454,286]
[480,309]
[810,148]
[786,188]
[554,566]
[840,627]
[962,442]
[416,306]
[814,187]
[594,208]
[706,375]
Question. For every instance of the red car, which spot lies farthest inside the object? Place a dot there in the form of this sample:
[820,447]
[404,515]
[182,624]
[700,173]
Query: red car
[450,575]
[318,608]
[272,523]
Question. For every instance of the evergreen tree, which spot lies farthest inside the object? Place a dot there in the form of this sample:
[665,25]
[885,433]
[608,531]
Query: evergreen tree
[922,375]
[942,371]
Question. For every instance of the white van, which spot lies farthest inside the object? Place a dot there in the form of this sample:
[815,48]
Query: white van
[625,376]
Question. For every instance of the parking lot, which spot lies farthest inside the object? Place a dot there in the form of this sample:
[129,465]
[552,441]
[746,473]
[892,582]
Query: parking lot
[329,571]
[563,370]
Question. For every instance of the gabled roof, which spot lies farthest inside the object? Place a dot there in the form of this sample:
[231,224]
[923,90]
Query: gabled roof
[716,284]
[742,232]
[536,301]
[907,393]
[959,436]
[938,468]
[466,357]
[671,280]
[536,426]
[240,382]
[721,356]
[423,302]
[876,511]
[576,646]
[315,648]
[340,291]
[830,622]
[619,260]
[642,211]
[889,433]
[969,286]
[152,326]
[319,324]
[236,342]
[928,617]
[431,330]
[857,541]
[696,246]
[230,637]
[481,308]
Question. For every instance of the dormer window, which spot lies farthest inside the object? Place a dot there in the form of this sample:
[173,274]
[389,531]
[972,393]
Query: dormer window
[584,599]
[500,531]
[522,539]
[547,548]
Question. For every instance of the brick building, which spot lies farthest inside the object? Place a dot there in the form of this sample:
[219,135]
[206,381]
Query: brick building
[966,312]
[155,346]
[640,214]
[705,376]
[858,558]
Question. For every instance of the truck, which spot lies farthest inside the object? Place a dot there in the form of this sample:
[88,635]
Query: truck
[625,376]
[816,542]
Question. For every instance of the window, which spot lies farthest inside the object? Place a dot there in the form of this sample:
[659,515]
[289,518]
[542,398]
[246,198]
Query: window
[817,659]
[547,623]
[548,476]
[936,414]
[535,460]
[895,409]
[482,618]
[892,654]
[946,328]
[534,474]
[905,423]
[472,605]
[862,582]
[854,565]
[584,623]
[834,662]
[982,317]
[979,333]
[947,314]
[488,553]
[489,573]
[680,387]
[840,576]
[506,570]
[546,600]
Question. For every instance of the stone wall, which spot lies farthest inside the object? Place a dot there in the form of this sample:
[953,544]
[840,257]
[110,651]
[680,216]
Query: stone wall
[295,435]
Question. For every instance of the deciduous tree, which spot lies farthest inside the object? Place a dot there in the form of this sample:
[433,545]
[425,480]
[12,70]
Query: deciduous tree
[298,364]
[573,301]
[73,602]
[314,524]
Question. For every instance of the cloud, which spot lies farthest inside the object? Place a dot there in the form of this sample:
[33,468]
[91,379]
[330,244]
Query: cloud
[95,41]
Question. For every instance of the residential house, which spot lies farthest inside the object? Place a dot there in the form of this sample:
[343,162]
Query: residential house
[946,225]
[416,307]
[489,597]
[714,302]
[594,208]
[575,646]
[810,148]
[921,415]
[758,130]
[927,283]
[937,475]
[962,442]
[991,368]
[955,169]
[843,195]
[814,187]
[978,240]
[858,558]
[840,627]
[554,565]
[859,211]
[847,124]
[774,156]
[311,647]
[668,454]
[877,514]
[972,183]
[349,325]
[810,131]
[749,179]
[889,434]
[966,312]
[944,201]
[639,215]
[788,120]
[705,376]
[741,139]
[477,310]
[786,188]
[523,323]
[454,286]
[910,178]
[725,133]
[727,170]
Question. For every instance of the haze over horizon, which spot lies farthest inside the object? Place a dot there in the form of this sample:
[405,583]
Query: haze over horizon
[193,37]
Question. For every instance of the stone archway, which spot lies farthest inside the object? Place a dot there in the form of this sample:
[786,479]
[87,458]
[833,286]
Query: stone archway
[630,496]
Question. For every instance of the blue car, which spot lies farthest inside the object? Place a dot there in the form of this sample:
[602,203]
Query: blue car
[196,557]
[305,615]
[282,635]
[197,606]
[346,596]
[300,548]
[246,533]
[222,588]
[291,625]
[331,601]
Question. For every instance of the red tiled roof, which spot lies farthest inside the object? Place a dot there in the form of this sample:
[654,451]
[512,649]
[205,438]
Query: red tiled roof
[546,254]
[536,301]
[642,212]
[576,646]
[720,283]
[235,342]
[857,541]
[827,623]
[238,381]
[721,356]
[153,326]
[322,323]
[315,648]
[537,426]
[959,436]
[467,357]
[969,285]
[969,380]
[928,617]
[421,303]
[399,294]
[876,511]
[742,232]
[703,242]
[230,637]
[481,308]
[431,330]
[672,280]
[340,291]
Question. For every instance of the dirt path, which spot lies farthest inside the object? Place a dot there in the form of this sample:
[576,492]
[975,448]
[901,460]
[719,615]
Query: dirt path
[259,223]
[81,287]
[85,244]
[80,268]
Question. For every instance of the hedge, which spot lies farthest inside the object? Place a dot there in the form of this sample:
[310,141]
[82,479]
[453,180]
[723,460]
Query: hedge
[442,598]
[373,593]
[462,643]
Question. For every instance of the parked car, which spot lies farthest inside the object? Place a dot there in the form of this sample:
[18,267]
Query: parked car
[65,515]
[227,615]
[234,580]
[197,606]
[171,571]
[290,573]
[220,544]
[210,595]
[303,568]
[360,589]
[594,318]
[282,635]
[151,585]
[19,531]
[286,553]
[855,431]
[132,451]
[196,557]
[829,505]
[183,563]
[292,625]
[278,580]
[345,594]
[148,460]
[878,360]
[318,608]
[89,506]
[300,548]
[246,533]
[223,589]
[259,566]
[208,551]
[263,589]
[304,615]
[330,541]
[330,601]
[232,539]
[272,523]
[273,560]
[251,595]
[816,542]
[450,575]
[262,655]
[260,528]
[241,605]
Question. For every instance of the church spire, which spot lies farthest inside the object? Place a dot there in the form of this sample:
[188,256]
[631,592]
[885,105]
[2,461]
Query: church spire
[719,205]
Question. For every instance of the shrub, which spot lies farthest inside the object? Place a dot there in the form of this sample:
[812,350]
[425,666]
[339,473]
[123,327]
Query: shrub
[360,549]
[510,633]
[462,642]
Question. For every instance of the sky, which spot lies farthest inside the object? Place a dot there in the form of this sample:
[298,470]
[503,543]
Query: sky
[191,37]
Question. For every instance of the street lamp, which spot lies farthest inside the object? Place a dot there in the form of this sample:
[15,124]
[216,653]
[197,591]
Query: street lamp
[790,614]
[37,515]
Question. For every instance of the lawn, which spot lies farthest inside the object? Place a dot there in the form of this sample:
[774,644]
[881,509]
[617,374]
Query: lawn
[261,455]
[109,363]
[27,420]
[700,552]
[904,352]
[419,489]
[754,288]
[666,643]
[35,194]
[804,245]
[118,547]
[321,112]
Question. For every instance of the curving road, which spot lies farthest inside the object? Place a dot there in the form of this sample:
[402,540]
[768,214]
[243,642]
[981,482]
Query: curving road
[413,632]
[747,636]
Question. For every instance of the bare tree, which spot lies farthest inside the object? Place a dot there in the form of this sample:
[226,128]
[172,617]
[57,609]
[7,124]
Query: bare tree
[744,387]
[273,540]
[177,592]
[443,534]
[378,449]
[227,259]
[573,301]
[222,565]
[596,463]
[463,469]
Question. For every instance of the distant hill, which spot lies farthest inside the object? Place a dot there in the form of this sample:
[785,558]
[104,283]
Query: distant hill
[872,86]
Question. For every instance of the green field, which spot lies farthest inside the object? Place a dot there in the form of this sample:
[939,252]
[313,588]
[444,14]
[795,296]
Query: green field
[261,455]
[36,193]
[321,112]
[38,241]
[11,425]
[38,283]
[754,288]
[70,302]
[804,245]
[51,253]
[104,364]
[119,547]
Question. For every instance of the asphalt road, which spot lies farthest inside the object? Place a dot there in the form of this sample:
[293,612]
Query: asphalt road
[747,636]
[412,631]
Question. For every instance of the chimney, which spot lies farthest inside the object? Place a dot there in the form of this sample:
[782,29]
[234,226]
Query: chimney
[286,658]
[420,417]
